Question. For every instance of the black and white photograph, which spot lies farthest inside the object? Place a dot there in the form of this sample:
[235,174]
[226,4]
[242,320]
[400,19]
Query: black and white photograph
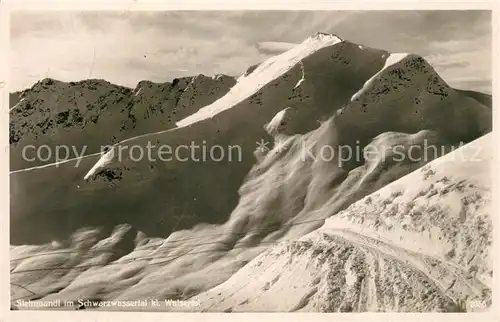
[321,161]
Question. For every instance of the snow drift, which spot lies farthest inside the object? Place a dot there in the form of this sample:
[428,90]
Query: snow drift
[421,243]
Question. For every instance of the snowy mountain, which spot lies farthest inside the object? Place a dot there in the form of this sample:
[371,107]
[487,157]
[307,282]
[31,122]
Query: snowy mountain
[269,70]
[112,227]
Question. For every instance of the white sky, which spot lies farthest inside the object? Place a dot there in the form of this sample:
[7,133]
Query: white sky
[126,47]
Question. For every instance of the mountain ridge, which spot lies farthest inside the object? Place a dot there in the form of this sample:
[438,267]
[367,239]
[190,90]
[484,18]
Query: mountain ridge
[54,112]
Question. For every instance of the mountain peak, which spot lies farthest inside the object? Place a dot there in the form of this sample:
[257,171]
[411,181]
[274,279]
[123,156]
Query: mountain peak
[47,82]
[324,36]
[264,73]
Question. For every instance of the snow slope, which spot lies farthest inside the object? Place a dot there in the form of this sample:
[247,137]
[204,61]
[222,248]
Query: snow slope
[421,243]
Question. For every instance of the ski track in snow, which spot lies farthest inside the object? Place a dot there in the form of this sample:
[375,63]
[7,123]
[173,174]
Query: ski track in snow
[413,259]
[54,163]
[91,155]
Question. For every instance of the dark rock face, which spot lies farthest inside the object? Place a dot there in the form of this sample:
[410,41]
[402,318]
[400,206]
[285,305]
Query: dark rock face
[95,113]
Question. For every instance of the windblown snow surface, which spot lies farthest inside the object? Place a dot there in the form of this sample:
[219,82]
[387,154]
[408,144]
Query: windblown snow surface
[309,231]
[421,243]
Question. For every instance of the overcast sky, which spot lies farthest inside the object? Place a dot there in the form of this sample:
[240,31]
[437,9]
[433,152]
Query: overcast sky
[126,47]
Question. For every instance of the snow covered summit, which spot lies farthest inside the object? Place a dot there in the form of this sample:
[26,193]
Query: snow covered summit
[266,72]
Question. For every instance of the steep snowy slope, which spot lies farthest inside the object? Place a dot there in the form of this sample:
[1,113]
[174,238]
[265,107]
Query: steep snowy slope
[179,228]
[421,243]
